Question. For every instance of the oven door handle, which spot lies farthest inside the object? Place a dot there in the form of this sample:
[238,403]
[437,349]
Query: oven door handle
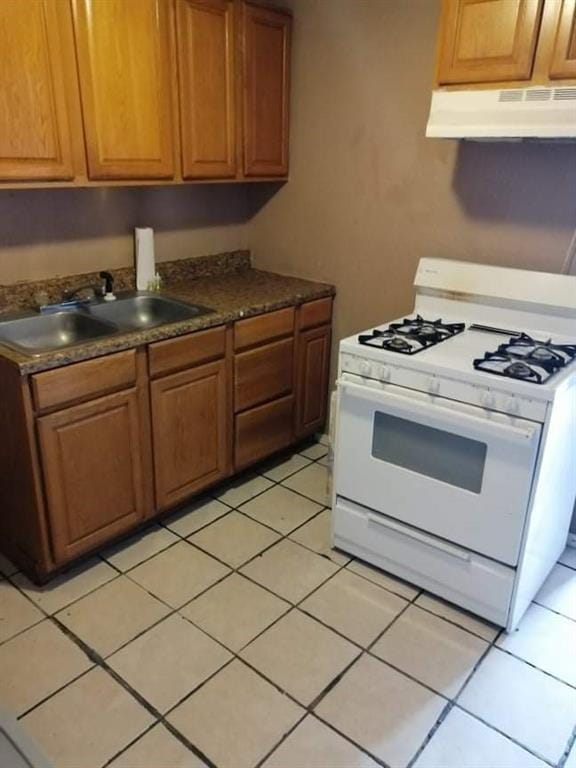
[420,537]
[412,406]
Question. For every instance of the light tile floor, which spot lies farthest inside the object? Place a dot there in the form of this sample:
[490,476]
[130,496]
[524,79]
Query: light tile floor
[232,635]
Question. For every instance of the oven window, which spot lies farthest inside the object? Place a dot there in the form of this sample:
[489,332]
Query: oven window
[432,452]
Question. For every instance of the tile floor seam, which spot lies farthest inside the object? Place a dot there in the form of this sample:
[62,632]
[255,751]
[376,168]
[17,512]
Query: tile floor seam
[534,666]
[43,610]
[568,749]
[525,747]
[356,559]
[22,631]
[101,663]
[292,606]
[460,706]
[553,610]
[452,702]
[377,760]
[453,622]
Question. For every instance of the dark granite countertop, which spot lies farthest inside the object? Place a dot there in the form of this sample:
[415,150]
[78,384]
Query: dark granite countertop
[232,295]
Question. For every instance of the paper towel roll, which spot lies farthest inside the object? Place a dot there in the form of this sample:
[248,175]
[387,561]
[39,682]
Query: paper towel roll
[145,260]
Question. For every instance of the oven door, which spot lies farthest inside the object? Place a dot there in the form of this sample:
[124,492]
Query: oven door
[454,470]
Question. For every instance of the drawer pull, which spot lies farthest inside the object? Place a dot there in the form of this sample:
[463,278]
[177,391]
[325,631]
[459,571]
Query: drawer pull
[433,543]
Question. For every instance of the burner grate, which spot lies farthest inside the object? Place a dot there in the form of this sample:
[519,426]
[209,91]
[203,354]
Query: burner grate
[411,335]
[527,359]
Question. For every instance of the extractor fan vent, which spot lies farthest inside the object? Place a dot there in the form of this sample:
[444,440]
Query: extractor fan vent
[510,96]
[563,94]
[538,94]
[514,96]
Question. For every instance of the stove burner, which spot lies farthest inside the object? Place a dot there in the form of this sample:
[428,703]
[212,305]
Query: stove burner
[519,370]
[411,335]
[524,358]
[397,343]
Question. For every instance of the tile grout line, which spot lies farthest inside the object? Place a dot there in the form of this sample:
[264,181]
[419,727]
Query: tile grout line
[99,661]
[290,606]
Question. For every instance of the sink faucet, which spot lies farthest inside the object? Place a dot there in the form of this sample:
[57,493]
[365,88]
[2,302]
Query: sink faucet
[72,295]
[98,291]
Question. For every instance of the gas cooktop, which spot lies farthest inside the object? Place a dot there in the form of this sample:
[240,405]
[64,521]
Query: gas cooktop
[527,359]
[411,335]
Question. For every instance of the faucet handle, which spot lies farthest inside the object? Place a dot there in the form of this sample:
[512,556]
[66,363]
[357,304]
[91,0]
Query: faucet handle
[108,291]
[108,282]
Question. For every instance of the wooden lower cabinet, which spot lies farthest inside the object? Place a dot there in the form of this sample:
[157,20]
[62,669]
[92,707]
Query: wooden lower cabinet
[312,387]
[93,463]
[190,428]
[104,445]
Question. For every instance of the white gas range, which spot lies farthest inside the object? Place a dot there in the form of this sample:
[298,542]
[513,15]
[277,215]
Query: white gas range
[455,446]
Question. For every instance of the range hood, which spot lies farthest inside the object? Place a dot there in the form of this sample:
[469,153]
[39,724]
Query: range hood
[518,113]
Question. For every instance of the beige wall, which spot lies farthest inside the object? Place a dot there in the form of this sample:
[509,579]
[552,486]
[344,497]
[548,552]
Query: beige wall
[369,194]
[45,233]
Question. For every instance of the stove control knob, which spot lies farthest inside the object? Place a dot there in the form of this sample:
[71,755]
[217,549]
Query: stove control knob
[511,406]
[433,386]
[384,373]
[365,368]
[487,399]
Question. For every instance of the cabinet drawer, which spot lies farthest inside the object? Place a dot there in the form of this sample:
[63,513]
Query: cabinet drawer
[315,313]
[261,431]
[463,577]
[184,351]
[257,330]
[262,374]
[82,381]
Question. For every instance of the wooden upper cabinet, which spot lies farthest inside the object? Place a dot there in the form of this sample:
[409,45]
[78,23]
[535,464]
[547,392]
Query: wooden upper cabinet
[484,41]
[206,68]
[124,60]
[37,90]
[563,63]
[266,74]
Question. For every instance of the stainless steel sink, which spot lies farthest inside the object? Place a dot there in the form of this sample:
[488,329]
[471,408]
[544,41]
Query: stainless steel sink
[142,311]
[57,329]
[49,333]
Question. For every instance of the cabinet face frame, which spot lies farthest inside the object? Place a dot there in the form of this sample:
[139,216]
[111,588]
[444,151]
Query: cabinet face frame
[98,117]
[563,61]
[62,488]
[194,89]
[56,62]
[515,67]
[256,161]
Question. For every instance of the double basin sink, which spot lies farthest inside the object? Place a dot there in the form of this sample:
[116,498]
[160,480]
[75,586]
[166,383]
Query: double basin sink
[61,328]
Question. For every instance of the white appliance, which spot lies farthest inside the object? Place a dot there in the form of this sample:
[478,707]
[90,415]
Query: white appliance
[515,113]
[462,479]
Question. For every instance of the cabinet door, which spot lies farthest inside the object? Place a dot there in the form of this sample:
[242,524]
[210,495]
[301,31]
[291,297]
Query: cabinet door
[190,425]
[313,370]
[37,83]
[485,41]
[93,459]
[206,87]
[266,72]
[563,64]
[125,80]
